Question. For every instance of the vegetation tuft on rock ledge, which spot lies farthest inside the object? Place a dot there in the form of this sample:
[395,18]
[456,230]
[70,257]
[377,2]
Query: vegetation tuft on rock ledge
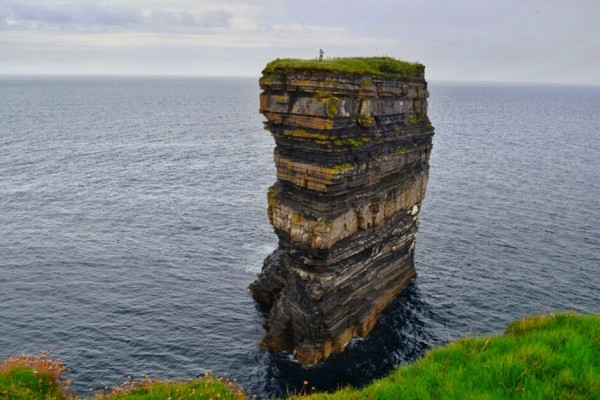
[556,356]
[386,67]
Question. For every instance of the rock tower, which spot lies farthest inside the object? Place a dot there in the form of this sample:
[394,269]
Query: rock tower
[352,154]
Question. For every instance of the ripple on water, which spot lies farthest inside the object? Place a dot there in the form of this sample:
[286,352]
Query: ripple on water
[134,218]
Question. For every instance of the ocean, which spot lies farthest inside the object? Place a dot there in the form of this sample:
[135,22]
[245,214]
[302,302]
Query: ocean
[133,219]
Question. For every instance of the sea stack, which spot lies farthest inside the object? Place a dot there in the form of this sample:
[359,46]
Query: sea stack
[352,155]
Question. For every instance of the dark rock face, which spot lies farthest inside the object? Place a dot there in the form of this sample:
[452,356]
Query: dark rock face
[352,157]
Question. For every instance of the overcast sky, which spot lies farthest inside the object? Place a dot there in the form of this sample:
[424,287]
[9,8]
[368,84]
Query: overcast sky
[463,40]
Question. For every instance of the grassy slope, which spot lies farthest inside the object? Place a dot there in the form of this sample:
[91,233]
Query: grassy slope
[23,383]
[550,357]
[375,66]
[32,378]
[40,378]
[545,357]
[208,387]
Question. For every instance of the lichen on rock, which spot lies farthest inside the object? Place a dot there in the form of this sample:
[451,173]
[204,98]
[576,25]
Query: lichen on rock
[352,158]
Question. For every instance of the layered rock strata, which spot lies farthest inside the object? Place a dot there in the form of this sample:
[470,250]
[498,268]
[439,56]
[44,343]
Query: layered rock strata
[352,157]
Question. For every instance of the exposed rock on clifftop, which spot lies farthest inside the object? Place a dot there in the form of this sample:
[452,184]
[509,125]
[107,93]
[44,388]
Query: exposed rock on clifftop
[352,154]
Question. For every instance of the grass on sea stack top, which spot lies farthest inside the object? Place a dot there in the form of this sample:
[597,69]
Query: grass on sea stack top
[386,67]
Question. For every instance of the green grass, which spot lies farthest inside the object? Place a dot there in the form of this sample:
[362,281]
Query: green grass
[365,120]
[387,67]
[414,119]
[206,388]
[417,118]
[31,378]
[341,167]
[331,103]
[24,383]
[39,378]
[544,357]
[556,356]
[354,142]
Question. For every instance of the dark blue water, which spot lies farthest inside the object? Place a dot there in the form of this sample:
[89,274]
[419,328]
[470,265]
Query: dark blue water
[133,218]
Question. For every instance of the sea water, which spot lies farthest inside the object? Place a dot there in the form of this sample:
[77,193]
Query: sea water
[133,218]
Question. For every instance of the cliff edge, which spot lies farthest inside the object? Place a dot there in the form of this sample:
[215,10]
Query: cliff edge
[352,155]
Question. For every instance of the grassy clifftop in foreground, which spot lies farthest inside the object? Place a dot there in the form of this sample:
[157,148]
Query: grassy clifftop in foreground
[387,67]
[548,357]
[545,357]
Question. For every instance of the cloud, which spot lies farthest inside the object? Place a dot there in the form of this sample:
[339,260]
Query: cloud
[102,16]
[232,24]
[34,16]
[210,19]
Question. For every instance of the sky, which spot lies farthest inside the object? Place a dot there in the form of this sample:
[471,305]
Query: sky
[538,41]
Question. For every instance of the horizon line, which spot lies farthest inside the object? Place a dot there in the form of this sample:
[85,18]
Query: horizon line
[196,76]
